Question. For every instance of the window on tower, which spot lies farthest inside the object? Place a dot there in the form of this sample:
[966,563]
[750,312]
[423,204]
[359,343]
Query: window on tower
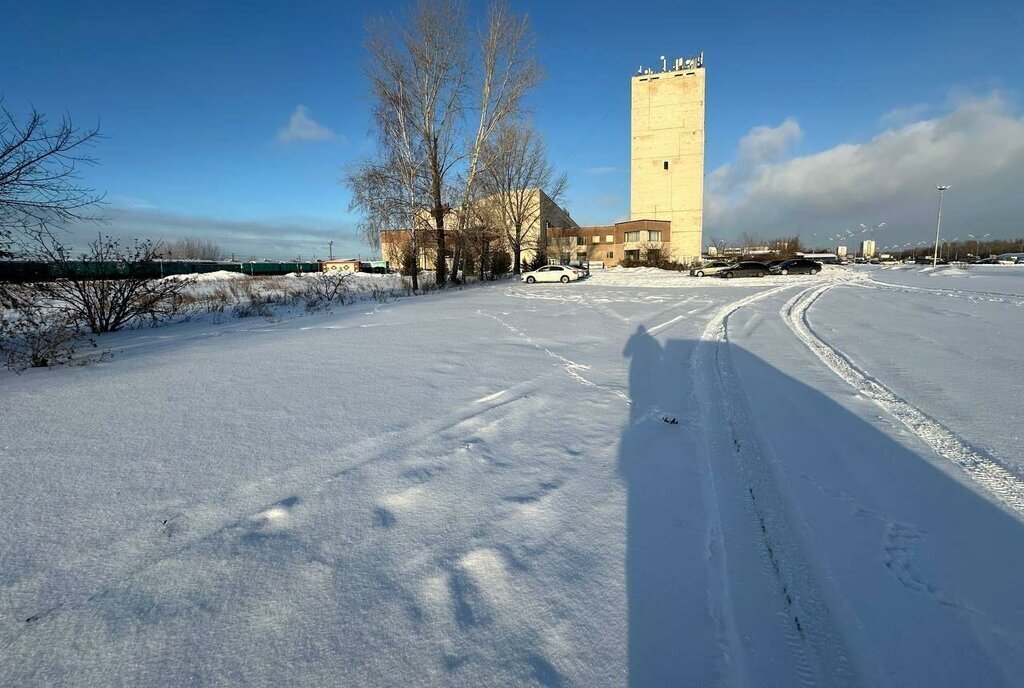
[664,165]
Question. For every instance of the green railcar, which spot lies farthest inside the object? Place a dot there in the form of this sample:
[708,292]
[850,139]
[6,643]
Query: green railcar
[31,271]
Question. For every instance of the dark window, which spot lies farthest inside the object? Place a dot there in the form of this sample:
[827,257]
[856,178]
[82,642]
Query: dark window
[665,164]
[581,241]
[610,255]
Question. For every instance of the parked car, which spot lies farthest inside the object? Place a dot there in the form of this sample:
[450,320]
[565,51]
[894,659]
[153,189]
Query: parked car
[552,273]
[582,268]
[712,268]
[796,266]
[747,268]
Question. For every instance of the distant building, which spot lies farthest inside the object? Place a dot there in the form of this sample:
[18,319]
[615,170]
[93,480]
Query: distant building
[609,245]
[344,266]
[867,248]
[841,251]
[667,150]
[542,213]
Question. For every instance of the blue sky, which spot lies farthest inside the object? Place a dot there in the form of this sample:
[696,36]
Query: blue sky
[192,99]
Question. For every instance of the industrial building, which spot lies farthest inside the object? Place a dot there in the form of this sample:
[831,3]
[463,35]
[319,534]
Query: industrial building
[666,168]
[667,151]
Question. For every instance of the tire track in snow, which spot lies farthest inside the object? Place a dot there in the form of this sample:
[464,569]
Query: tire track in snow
[819,654]
[967,295]
[983,470]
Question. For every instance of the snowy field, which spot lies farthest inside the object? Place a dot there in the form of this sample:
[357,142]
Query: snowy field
[639,479]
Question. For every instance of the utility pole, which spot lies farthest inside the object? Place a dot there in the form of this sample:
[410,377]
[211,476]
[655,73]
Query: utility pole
[938,224]
[330,249]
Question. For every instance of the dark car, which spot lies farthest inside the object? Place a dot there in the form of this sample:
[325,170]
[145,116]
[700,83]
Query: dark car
[796,266]
[747,268]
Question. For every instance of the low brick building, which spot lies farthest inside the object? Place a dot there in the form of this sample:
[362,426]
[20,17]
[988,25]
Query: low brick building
[608,245]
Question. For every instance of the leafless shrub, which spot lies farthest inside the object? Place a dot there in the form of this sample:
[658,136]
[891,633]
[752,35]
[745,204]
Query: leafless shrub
[325,288]
[34,335]
[107,305]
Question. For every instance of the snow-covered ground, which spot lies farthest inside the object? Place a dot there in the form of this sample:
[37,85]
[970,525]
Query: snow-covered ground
[639,479]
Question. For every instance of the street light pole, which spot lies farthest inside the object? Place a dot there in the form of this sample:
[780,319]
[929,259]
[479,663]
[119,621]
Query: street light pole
[330,249]
[938,223]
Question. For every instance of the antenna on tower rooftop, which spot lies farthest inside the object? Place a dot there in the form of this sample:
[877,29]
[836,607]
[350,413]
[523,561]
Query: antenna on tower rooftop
[664,66]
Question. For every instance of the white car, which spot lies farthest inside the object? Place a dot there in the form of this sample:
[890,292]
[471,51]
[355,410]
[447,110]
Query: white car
[712,268]
[552,273]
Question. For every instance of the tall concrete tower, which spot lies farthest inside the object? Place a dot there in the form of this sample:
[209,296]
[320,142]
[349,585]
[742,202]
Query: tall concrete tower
[667,150]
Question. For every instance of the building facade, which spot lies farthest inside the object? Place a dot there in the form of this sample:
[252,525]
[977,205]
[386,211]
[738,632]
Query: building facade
[609,245]
[667,151]
[540,214]
[867,248]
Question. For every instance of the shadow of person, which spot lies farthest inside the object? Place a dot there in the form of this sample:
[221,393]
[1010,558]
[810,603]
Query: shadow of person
[669,636]
[897,533]
[645,366]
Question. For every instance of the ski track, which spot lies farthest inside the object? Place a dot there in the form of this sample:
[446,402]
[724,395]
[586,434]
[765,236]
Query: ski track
[571,367]
[818,651]
[981,469]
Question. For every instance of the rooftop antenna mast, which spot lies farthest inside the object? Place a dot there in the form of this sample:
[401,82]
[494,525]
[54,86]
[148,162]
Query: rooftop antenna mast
[664,65]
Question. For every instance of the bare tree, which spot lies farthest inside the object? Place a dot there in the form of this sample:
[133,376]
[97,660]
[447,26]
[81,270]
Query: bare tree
[424,89]
[85,290]
[193,248]
[562,242]
[39,169]
[39,185]
[509,70]
[516,171]
[751,241]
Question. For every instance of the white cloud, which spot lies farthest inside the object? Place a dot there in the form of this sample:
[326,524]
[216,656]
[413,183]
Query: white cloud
[759,147]
[601,170]
[301,127]
[130,202]
[898,117]
[978,147]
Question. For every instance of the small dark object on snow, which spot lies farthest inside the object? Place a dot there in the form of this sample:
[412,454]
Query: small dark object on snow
[670,421]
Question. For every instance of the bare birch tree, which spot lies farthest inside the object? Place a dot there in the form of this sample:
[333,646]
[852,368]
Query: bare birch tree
[508,71]
[425,92]
[515,173]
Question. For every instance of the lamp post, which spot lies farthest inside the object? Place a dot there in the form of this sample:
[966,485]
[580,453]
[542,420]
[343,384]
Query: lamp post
[948,247]
[977,244]
[330,249]
[938,223]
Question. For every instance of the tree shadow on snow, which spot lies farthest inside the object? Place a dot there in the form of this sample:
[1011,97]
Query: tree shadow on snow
[844,512]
